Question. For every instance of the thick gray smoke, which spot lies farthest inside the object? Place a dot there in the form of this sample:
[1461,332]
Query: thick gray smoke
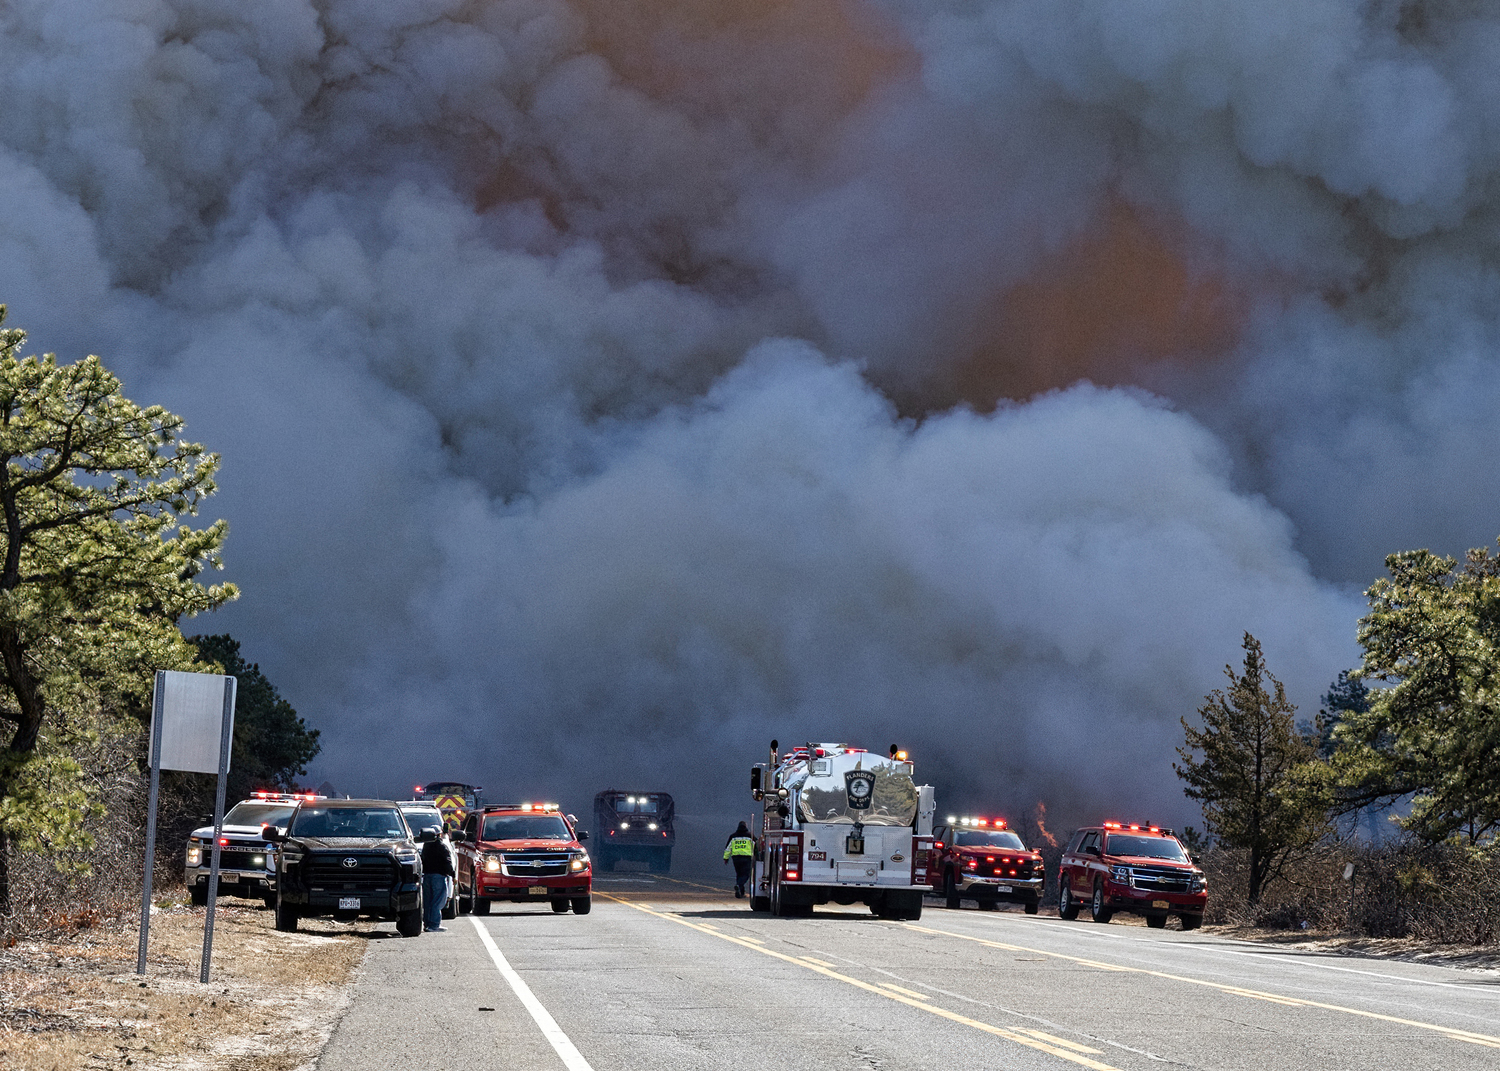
[608,386]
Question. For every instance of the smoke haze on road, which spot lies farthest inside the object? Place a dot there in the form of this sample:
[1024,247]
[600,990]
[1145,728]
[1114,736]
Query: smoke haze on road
[606,388]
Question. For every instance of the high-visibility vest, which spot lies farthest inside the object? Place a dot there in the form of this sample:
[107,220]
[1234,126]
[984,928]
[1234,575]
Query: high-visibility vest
[739,846]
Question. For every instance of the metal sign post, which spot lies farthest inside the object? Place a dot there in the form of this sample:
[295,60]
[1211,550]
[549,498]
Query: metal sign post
[190,714]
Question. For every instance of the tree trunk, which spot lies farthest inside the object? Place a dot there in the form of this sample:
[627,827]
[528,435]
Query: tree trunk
[27,693]
[1256,866]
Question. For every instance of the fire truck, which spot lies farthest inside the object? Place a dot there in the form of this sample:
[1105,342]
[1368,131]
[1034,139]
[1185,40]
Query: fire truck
[454,798]
[840,825]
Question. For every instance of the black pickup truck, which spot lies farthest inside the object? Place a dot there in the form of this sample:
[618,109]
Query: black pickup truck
[348,859]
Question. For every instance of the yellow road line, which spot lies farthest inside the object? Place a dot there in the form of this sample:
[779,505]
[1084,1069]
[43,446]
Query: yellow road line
[1059,1041]
[909,992]
[913,1002]
[1275,998]
[813,959]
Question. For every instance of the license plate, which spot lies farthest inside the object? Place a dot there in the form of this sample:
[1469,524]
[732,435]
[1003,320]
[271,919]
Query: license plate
[348,903]
[1160,903]
[537,890]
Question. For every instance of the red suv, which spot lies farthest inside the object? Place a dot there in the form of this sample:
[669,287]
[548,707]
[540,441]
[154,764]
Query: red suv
[525,853]
[1134,867]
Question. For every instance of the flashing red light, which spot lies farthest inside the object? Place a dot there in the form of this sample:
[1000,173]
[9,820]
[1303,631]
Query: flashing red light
[223,841]
[818,752]
[791,875]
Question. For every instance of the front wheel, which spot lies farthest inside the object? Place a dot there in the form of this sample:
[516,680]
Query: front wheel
[951,898]
[409,923]
[270,901]
[1156,922]
[481,906]
[198,894]
[559,907]
[286,917]
[1067,907]
[582,905]
[1191,922]
[1097,911]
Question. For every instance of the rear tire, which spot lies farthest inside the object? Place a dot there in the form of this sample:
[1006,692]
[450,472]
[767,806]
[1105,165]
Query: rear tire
[582,905]
[1067,907]
[409,923]
[760,903]
[450,908]
[481,906]
[286,917]
[1033,906]
[463,903]
[559,907]
[951,900]
[1191,922]
[198,894]
[1097,911]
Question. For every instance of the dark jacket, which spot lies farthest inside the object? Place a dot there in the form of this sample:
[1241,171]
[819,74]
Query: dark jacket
[435,858]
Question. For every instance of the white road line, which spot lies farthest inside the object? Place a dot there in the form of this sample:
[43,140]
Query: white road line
[572,1059]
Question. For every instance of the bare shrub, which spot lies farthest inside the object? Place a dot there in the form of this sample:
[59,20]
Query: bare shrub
[1444,893]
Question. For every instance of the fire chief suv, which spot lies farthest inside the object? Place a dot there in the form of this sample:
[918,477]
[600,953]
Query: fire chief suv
[522,853]
[348,859]
[1135,867]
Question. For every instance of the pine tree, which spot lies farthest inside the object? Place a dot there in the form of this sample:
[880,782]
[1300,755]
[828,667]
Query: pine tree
[1252,779]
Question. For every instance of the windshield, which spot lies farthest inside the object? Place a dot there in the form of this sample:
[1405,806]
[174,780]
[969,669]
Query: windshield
[893,802]
[421,820]
[1150,847]
[348,822]
[635,805]
[259,814]
[979,838]
[525,827]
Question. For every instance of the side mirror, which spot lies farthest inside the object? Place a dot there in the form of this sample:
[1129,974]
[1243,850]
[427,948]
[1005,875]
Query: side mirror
[755,782]
[274,834]
[583,835]
[427,836]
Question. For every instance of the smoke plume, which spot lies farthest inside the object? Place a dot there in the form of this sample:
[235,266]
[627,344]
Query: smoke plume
[606,388]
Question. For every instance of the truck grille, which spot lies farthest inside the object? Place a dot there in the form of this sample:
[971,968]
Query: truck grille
[535,864]
[1159,879]
[371,873]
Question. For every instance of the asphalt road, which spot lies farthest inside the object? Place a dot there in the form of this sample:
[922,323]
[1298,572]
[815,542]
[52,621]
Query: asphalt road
[670,975]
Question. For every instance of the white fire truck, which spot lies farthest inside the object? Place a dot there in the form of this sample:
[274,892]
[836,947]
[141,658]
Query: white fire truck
[840,825]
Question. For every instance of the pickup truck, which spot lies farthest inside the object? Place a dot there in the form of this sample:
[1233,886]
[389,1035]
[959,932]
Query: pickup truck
[980,859]
[522,853]
[348,859]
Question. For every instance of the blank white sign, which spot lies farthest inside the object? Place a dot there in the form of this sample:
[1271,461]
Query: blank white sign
[192,713]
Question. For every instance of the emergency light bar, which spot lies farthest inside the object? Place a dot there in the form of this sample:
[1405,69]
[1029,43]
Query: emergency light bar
[985,823]
[546,807]
[287,796]
[1140,827]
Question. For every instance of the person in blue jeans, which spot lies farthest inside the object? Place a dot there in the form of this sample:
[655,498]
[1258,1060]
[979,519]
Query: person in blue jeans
[437,874]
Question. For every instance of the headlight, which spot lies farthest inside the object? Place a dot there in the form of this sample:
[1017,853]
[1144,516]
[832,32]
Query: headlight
[579,862]
[195,856]
[1199,883]
[492,864]
[290,858]
[1120,873]
[651,825]
[408,857]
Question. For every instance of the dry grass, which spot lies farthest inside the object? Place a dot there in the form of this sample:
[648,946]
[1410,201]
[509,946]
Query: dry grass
[70,998]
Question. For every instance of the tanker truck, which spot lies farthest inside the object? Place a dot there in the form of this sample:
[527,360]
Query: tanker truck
[840,825]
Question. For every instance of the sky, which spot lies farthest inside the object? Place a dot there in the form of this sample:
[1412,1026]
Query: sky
[605,387]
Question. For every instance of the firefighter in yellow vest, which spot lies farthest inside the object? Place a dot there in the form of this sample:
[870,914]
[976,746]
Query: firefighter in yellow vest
[740,848]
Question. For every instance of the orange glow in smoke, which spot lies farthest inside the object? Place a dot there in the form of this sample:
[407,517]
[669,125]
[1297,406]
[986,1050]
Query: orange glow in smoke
[784,69]
[1110,303]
